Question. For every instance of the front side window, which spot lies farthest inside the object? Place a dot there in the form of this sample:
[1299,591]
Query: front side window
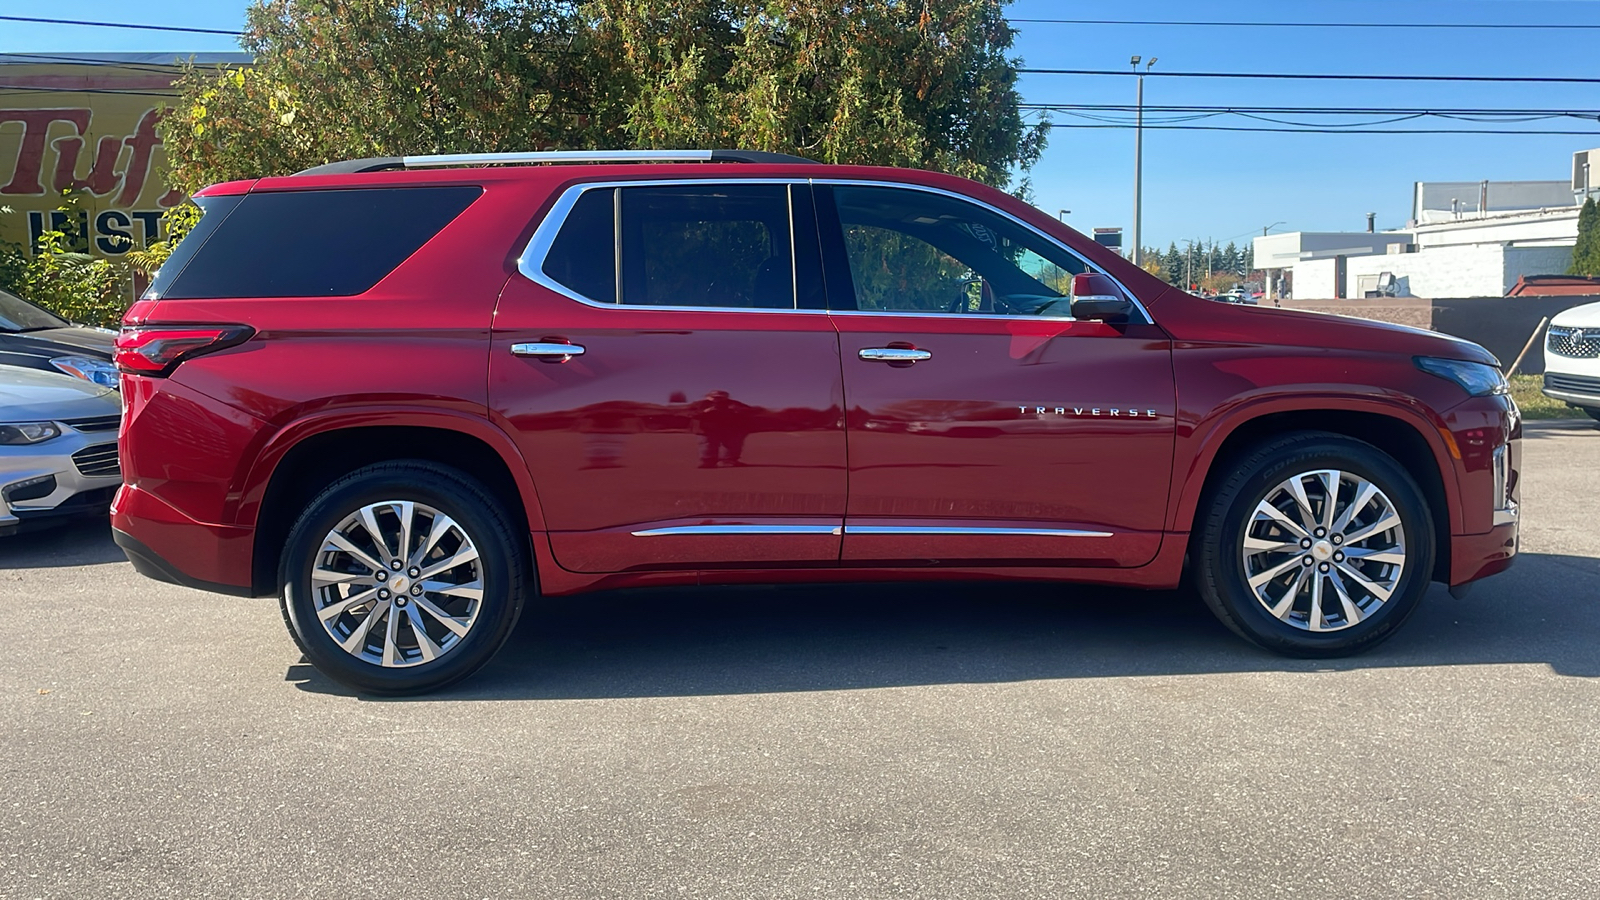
[914,251]
[704,245]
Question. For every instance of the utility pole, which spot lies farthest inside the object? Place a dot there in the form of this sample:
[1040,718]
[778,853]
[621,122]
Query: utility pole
[1138,165]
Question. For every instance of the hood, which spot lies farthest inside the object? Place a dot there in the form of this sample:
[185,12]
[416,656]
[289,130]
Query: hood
[72,340]
[1585,316]
[29,395]
[1208,320]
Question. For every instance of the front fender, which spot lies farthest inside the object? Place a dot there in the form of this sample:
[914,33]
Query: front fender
[1202,440]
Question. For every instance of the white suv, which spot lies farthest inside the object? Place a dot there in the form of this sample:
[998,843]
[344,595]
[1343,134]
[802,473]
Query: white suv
[1572,358]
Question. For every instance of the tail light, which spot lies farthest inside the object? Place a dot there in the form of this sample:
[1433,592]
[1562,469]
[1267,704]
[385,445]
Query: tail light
[157,349]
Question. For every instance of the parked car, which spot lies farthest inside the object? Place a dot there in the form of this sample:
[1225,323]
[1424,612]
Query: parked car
[58,448]
[38,339]
[533,375]
[1572,358]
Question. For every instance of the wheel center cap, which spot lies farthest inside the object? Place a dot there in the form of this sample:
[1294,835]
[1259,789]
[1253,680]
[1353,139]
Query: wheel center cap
[399,583]
[1322,551]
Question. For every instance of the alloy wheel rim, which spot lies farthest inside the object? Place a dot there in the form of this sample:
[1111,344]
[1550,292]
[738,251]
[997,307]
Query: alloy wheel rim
[397,584]
[1324,550]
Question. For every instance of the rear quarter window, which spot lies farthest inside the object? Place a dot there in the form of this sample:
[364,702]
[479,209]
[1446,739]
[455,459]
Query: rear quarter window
[307,243]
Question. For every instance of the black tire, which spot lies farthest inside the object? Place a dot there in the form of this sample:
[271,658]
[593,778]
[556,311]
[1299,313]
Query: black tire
[1593,411]
[503,567]
[1228,508]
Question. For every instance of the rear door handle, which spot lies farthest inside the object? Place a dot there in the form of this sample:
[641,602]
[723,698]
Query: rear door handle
[548,351]
[894,355]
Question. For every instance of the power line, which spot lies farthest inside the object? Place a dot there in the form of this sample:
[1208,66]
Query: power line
[1319,77]
[1316,110]
[1349,130]
[39,21]
[1525,26]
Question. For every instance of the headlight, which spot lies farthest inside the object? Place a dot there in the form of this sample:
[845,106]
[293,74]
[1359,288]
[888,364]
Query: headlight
[1476,379]
[96,371]
[28,432]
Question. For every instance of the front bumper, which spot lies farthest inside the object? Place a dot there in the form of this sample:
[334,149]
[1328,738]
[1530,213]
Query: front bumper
[71,475]
[1475,556]
[1578,390]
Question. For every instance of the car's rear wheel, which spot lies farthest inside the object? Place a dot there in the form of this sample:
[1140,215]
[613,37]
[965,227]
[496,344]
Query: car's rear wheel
[402,577]
[1314,545]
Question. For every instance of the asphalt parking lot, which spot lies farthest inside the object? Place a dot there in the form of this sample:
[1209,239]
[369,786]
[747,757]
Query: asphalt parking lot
[891,741]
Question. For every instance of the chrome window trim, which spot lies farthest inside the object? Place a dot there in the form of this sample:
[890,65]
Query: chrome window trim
[869,530]
[531,263]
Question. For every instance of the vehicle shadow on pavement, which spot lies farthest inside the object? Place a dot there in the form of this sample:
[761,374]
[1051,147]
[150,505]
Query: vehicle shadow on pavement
[688,642]
[84,543]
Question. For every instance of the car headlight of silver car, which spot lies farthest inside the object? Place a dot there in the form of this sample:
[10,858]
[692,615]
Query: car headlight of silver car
[96,371]
[1477,379]
[28,432]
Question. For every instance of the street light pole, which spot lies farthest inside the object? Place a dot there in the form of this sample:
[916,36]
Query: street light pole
[1138,165]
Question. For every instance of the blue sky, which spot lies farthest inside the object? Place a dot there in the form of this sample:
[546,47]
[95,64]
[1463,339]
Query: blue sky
[1198,185]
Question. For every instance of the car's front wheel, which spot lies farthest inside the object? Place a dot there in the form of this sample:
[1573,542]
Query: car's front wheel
[1315,545]
[402,577]
[1593,411]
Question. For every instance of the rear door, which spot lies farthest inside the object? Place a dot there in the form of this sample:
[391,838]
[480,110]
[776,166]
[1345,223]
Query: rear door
[666,363]
[985,425]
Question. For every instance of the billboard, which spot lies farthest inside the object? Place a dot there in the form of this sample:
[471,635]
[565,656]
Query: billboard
[87,122]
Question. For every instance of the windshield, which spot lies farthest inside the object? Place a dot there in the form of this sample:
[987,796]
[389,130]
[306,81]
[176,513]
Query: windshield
[17,314]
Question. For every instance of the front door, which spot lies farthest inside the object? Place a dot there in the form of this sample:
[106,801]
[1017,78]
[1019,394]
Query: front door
[984,424]
[665,363]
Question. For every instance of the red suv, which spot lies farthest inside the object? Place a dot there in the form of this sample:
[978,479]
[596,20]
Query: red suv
[409,394]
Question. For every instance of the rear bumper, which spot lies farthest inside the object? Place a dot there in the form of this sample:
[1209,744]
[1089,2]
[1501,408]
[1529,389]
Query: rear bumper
[1475,556]
[164,544]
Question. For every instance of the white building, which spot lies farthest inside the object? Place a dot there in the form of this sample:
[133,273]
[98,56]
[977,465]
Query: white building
[1465,239]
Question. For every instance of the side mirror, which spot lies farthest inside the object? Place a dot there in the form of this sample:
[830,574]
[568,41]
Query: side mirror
[1096,296]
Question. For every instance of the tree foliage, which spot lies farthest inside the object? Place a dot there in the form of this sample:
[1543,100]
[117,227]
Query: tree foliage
[924,83]
[64,279]
[1586,255]
[1201,263]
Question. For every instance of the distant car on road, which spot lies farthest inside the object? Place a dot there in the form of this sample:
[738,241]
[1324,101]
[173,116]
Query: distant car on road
[1572,358]
[38,339]
[58,448]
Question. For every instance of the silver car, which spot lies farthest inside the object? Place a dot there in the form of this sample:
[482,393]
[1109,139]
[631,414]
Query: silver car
[58,448]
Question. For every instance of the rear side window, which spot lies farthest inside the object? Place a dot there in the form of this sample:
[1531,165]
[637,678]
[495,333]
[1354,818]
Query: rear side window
[307,243]
[710,245]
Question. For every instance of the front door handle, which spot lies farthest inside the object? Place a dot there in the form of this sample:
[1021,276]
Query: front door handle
[894,354]
[549,351]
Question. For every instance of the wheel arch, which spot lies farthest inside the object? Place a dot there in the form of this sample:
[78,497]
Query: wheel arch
[308,456]
[1418,449]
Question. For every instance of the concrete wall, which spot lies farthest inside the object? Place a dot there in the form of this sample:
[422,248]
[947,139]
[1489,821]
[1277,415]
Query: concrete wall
[1548,226]
[1314,279]
[1501,324]
[1480,270]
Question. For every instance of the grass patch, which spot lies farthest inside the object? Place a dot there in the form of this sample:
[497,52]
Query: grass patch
[1525,389]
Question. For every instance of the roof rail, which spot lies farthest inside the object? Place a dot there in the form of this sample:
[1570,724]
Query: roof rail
[442,160]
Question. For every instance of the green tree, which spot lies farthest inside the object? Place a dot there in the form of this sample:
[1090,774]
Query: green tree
[1586,254]
[888,82]
[61,278]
